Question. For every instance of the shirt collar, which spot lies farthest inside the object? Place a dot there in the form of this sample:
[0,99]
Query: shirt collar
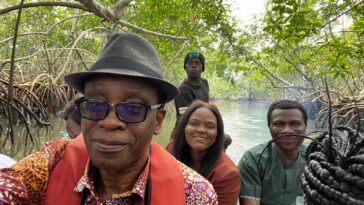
[87,182]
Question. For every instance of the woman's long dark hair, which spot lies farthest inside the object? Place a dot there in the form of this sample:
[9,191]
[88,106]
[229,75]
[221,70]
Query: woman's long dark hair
[181,149]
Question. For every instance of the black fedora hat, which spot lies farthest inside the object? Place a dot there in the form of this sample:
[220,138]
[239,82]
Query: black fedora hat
[126,54]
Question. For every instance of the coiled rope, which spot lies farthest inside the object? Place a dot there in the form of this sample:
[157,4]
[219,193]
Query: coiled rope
[334,171]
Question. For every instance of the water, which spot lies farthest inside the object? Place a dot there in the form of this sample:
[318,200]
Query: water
[245,123]
[23,145]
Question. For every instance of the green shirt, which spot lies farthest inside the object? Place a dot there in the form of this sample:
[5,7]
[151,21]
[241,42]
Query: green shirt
[279,184]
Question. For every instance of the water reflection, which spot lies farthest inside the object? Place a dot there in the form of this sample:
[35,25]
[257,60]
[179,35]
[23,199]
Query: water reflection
[23,146]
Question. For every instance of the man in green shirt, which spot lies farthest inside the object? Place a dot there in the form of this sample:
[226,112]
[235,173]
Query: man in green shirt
[270,172]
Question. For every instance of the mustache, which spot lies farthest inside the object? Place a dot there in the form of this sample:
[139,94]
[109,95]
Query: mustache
[291,136]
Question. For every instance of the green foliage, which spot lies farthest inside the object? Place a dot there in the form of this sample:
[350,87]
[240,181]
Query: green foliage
[291,20]
[302,42]
[294,47]
[53,39]
[286,55]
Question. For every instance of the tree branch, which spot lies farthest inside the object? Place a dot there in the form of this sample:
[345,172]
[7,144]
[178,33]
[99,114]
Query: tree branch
[37,4]
[46,32]
[145,31]
[65,65]
[118,8]
[174,57]
[11,73]
[6,61]
[299,88]
[293,65]
[271,74]
[99,10]
[109,15]
[343,13]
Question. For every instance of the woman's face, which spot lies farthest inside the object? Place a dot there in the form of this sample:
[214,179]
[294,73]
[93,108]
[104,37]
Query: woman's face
[201,130]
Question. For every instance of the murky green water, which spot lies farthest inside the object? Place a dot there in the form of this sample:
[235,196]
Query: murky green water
[244,122]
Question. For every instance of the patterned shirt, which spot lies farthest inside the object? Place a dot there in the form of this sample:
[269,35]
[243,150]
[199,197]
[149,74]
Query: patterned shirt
[26,181]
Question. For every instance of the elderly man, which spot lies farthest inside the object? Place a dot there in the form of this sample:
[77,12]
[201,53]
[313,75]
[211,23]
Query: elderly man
[114,161]
[270,172]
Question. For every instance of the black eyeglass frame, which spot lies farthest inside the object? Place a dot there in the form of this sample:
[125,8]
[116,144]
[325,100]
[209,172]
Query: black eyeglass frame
[110,106]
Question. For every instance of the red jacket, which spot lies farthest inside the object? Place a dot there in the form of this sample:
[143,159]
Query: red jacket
[166,175]
[225,178]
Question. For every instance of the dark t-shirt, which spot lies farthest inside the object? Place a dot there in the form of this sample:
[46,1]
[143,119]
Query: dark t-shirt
[188,93]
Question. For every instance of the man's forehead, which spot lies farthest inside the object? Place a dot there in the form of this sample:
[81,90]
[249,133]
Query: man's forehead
[286,112]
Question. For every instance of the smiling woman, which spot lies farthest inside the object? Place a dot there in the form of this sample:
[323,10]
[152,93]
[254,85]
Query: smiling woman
[198,142]
[201,132]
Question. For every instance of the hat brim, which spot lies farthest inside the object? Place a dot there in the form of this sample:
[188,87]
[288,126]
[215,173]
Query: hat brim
[77,80]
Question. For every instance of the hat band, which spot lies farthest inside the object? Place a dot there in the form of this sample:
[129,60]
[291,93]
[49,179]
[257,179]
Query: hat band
[117,62]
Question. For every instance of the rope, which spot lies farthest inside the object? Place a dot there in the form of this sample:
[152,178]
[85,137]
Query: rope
[334,174]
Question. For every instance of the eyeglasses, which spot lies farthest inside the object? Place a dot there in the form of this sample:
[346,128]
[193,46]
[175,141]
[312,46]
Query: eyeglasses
[93,109]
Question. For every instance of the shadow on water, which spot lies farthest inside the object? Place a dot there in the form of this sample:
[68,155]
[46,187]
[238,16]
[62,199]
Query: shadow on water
[245,122]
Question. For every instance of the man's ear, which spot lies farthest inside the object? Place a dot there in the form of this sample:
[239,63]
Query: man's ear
[159,121]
